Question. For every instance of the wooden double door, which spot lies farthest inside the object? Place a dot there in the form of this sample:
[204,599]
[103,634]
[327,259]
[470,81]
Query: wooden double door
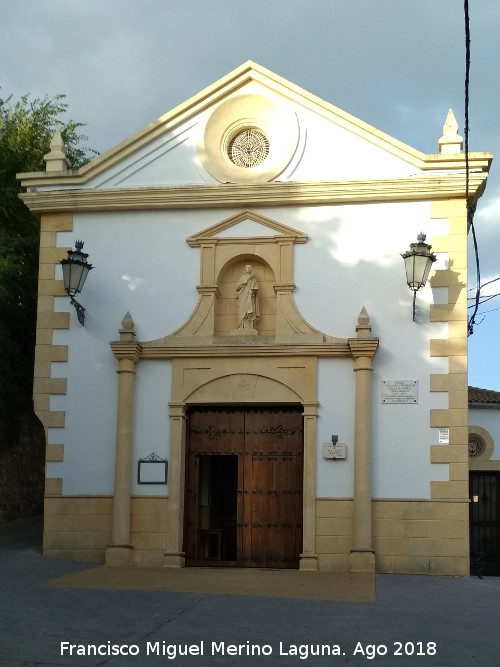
[244,472]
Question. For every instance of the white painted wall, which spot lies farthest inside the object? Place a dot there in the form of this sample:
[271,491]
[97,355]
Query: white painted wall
[352,259]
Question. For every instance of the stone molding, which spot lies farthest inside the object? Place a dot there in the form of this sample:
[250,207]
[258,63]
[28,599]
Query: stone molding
[418,187]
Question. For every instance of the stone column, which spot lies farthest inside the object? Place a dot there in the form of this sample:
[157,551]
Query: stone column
[127,352]
[174,556]
[309,557]
[363,349]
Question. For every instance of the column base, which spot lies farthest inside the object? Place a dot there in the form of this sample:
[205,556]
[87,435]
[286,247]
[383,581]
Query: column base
[175,560]
[362,560]
[308,563]
[119,555]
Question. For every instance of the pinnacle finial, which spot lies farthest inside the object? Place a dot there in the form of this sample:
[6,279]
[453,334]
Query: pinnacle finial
[363,328]
[451,141]
[127,333]
[127,322]
[450,124]
[56,159]
[363,317]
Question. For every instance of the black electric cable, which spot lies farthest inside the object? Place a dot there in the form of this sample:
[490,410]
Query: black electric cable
[470,209]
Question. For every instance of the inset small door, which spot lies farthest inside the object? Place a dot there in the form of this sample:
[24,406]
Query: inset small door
[484,520]
[244,487]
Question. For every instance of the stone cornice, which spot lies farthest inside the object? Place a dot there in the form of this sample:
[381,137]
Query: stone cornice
[278,350]
[419,187]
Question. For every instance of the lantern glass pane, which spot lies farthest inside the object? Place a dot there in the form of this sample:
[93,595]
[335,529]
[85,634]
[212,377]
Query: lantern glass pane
[427,269]
[420,269]
[417,270]
[84,270]
[66,271]
[409,270]
[74,275]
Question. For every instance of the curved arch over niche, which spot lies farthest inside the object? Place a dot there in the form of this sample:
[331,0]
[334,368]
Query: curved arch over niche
[243,388]
[226,316]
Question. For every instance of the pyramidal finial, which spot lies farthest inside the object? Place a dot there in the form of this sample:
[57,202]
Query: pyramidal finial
[451,141]
[363,328]
[57,142]
[127,333]
[56,159]
[128,322]
[450,124]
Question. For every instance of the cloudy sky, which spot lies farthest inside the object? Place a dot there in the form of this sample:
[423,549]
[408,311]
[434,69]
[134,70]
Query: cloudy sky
[395,64]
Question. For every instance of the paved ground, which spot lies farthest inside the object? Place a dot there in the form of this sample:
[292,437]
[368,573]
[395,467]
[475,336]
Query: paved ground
[344,587]
[444,621]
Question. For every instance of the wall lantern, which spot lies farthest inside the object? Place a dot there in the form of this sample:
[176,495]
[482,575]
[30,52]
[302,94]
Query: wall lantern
[75,270]
[418,261]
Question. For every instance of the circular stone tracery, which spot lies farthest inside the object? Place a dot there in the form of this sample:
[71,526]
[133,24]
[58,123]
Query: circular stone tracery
[476,446]
[248,148]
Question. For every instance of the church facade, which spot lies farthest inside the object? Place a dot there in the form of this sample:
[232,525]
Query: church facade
[250,388]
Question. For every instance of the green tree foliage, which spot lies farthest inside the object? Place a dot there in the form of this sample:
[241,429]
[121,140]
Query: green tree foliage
[26,129]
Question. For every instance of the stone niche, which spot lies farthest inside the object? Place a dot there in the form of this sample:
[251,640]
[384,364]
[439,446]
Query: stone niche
[226,306]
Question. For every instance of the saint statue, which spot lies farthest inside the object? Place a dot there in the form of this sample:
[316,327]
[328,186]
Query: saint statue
[248,301]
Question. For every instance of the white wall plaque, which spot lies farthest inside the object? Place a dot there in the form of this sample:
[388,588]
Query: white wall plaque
[400,391]
[331,451]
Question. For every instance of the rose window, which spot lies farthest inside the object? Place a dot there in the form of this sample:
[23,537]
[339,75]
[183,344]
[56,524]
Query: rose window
[476,446]
[248,148]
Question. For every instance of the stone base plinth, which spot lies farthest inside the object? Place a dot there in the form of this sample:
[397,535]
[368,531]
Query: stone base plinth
[175,560]
[308,563]
[362,561]
[118,556]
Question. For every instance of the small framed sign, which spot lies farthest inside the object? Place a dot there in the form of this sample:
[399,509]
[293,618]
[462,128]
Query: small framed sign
[152,470]
[334,451]
[444,436]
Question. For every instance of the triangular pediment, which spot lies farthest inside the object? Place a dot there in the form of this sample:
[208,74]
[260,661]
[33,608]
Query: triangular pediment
[319,142]
[246,225]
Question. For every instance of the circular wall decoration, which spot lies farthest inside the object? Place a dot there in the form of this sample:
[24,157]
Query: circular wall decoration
[248,148]
[477,446]
[248,139]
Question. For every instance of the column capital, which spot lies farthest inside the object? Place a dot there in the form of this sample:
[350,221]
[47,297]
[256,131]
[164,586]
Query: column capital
[126,350]
[177,409]
[283,288]
[363,347]
[208,290]
[310,409]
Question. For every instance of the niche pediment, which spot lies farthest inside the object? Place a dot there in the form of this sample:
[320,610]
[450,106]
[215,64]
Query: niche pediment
[246,226]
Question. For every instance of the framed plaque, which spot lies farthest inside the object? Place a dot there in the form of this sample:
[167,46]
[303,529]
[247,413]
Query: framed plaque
[152,470]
